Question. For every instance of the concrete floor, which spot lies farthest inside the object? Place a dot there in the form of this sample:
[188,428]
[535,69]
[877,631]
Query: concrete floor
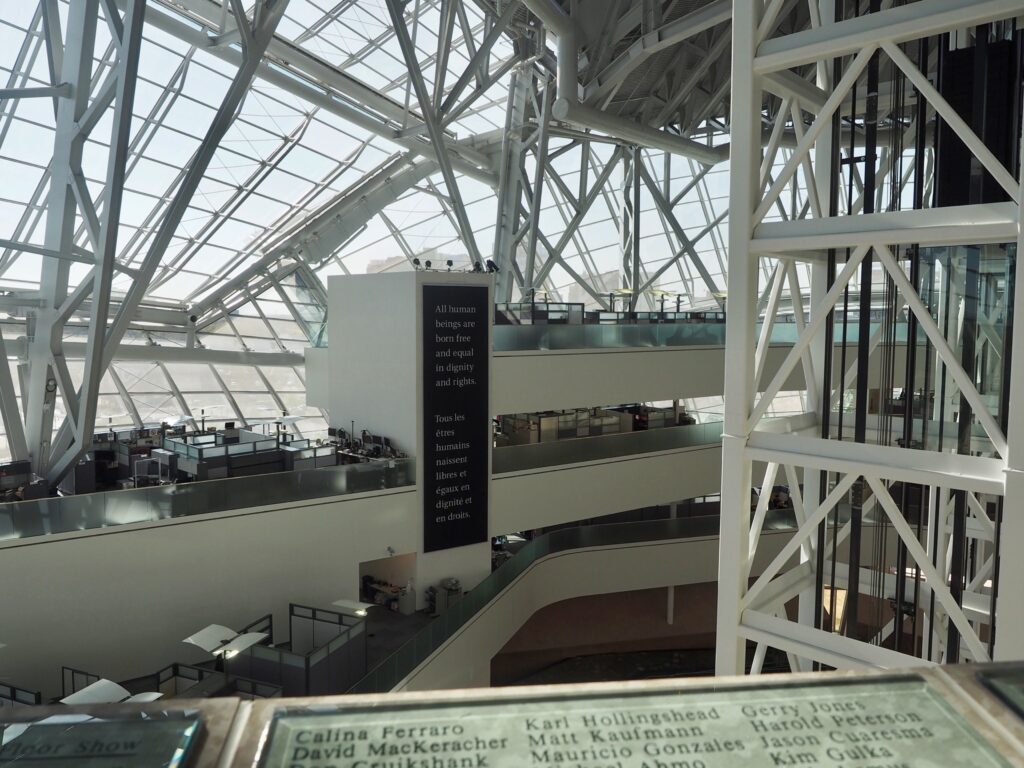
[387,631]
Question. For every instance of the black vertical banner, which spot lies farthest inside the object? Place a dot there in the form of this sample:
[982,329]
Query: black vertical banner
[456,418]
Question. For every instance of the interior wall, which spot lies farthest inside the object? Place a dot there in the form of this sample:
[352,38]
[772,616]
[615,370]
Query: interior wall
[318,379]
[622,622]
[470,565]
[79,599]
[117,603]
[465,660]
[530,381]
[544,497]
[368,314]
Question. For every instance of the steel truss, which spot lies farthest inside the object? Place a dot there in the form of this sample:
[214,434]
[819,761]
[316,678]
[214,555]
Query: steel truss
[826,474]
[541,241]
[82,98]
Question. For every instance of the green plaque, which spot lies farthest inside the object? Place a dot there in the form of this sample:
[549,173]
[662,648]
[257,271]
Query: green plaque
[890,723]
[64,740]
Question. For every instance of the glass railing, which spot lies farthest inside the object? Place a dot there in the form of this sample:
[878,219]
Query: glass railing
[524,338]
[516,338]
[67,514]
[510,338]
[518,458]
[386,675]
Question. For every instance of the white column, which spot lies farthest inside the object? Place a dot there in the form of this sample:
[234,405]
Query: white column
[745,161]
[1009,606]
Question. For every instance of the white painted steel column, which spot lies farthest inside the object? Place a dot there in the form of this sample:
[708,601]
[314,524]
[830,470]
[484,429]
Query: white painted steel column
[818,288]
[1009,617]
[745,162]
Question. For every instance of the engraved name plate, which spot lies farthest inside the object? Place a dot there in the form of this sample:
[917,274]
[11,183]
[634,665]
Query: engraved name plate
[76,740]
[888,723]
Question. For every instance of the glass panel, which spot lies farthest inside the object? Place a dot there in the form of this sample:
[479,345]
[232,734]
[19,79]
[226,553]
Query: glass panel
[518,458]
[66,514]
[515,338]
[143,743]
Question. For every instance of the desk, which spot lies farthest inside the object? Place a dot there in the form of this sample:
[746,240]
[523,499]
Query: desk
[385,594]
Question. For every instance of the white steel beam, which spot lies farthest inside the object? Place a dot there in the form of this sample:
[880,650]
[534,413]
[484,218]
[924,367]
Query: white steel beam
[975,473]
[430,117]
[1009,619]
[106,233]
[828,648]
[569,108]
[9,411]
[672,33]
[734,538]
[77,69]
[907,22]
[955,225]
[255,36]
[295,70]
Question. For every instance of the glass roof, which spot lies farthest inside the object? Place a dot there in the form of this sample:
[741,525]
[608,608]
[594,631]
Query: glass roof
[288,154]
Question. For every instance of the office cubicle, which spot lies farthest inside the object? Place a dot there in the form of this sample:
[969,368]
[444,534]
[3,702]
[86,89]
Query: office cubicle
[177,681]
[12,696]
[194,682]
[73,680]
[325,653]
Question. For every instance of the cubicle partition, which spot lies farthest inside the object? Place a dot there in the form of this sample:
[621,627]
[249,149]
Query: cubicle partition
[73,680]
[12,696]
[325,653]
[298,454]
[192,682]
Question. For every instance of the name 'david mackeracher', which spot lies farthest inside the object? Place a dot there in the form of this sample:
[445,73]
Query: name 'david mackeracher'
[394,747]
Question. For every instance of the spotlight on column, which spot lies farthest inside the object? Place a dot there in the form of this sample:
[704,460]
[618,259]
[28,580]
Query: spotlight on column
[477,266]
[492,267]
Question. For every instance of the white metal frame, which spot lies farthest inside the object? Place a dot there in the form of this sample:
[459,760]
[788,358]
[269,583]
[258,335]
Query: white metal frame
[752,612]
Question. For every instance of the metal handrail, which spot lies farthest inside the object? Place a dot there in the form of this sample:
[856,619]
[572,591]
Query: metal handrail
[392,670]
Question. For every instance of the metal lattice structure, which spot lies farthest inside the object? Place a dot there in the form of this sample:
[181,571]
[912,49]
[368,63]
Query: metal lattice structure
[852,485]
[178,178]
[181,177]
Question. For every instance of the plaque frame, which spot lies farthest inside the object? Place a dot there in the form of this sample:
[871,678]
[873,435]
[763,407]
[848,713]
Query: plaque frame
[987,718]
[970,680]
[214,716]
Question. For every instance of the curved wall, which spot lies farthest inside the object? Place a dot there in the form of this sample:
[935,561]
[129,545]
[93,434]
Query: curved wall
[465,660]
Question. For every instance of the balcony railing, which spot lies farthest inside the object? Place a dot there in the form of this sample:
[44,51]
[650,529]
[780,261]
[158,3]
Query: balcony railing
[91,511]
